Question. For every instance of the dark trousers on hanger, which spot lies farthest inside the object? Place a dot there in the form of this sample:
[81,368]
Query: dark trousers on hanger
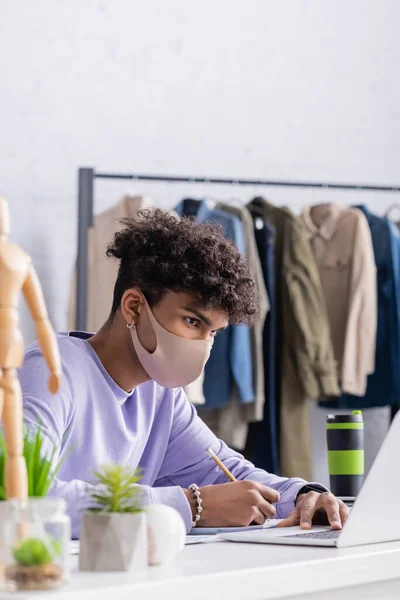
[262,442]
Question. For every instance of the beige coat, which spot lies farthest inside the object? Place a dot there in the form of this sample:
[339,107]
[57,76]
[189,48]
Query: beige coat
[342,245]
[231,422]
[103,270]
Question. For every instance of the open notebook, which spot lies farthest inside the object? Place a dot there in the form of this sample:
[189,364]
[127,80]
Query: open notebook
[215,530]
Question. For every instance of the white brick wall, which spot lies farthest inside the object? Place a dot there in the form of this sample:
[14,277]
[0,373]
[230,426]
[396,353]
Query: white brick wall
[302,89]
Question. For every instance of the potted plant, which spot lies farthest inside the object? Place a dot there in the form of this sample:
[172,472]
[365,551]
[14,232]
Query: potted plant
[35,566]
[33,556]
[114,531]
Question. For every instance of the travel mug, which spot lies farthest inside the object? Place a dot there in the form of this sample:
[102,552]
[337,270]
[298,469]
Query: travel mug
[345,437]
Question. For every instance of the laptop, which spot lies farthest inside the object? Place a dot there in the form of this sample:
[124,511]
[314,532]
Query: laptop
[373,517]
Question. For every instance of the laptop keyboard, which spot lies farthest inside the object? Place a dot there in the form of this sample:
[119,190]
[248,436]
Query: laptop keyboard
[328,534]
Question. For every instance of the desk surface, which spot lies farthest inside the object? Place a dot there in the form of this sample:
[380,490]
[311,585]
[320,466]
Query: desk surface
[243,572]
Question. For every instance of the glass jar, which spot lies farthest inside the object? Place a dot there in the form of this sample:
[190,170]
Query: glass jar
[37,534]
[4,514]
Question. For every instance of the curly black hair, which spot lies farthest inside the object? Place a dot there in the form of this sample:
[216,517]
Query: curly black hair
[161,252]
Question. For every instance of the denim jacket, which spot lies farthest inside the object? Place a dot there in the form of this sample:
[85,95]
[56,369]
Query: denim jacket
[230,360]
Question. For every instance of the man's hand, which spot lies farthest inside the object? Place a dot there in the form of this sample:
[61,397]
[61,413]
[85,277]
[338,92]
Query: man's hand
[235,504]
[318,509]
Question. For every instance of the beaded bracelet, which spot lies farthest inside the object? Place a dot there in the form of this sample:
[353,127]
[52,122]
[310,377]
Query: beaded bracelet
[196,491]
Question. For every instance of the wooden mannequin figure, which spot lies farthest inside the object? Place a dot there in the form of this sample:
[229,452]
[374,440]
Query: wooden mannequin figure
[17,274]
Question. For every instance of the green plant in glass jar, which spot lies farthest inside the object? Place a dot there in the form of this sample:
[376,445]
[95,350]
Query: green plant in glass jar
[35,532]
[35,565]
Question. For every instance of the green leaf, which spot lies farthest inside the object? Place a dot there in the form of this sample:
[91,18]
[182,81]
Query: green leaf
[43,476]
[41,469]
[102,478]
[121,493]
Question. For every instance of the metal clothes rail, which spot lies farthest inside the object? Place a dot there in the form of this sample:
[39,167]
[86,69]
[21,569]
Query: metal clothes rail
[87,175]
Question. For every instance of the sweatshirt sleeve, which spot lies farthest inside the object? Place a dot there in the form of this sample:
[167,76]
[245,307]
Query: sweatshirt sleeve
[186,462]
[360,341]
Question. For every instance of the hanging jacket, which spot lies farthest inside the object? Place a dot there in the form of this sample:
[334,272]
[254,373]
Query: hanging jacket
[103,271]
[305,365]
[342,246]
[231,423]
[230,361]
[254,411]
[383,386]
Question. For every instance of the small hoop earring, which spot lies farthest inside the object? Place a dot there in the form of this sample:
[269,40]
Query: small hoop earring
[130,325]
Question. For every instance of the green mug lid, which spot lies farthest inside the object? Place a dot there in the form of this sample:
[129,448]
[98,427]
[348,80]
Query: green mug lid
[354,417]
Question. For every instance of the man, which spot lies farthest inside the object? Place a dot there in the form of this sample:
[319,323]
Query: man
[179,284]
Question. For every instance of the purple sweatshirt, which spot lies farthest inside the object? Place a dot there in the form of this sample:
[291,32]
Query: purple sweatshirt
[94,422]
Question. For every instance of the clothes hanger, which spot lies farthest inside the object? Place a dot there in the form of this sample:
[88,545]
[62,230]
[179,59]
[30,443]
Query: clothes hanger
[260,220]
[133,200]
[211,201]
[389,211]
[234,200]
[132,189]
[255,205]
[258,210]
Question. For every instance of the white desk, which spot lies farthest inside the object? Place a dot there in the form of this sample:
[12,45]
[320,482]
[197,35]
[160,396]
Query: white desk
[246,571]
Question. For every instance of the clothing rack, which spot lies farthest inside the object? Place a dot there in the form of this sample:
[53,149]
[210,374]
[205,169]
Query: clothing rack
[87,175]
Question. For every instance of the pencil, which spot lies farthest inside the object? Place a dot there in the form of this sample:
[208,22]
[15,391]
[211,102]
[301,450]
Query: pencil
[220,464]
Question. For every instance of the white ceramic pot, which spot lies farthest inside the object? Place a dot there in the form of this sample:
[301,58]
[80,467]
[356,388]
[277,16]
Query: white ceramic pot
[113,542]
